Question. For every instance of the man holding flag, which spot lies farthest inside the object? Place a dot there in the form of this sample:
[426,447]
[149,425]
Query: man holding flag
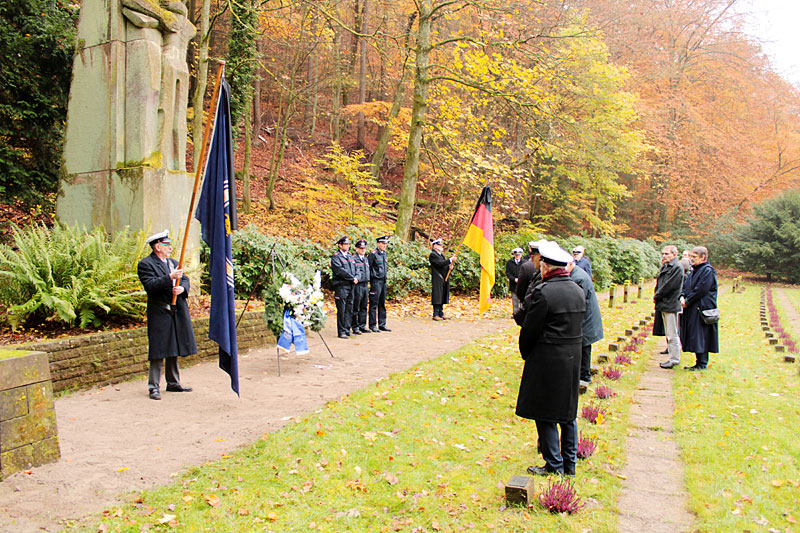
[480,238]
[217,215]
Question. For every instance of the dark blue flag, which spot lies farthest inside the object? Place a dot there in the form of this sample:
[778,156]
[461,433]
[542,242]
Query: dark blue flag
[217,215]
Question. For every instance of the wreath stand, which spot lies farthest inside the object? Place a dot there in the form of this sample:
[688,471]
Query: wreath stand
[278,350]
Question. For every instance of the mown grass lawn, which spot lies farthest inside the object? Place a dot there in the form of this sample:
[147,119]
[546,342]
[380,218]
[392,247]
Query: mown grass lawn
[736,424]
[427,449]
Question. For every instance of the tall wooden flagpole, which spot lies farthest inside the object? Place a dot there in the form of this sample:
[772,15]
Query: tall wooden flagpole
[200,164]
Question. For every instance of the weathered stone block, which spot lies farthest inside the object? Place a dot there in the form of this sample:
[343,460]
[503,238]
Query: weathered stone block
[520,490]
[635,327]
[612,347]
[780,348]
[773,340]
[40,396]
[603,358]
[26,429]
[13,403]
[29,368]
[769,334]
[628,332]
[789,358]
[29,456]
[643,322]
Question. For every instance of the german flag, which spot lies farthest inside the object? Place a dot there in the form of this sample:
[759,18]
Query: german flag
[480,237]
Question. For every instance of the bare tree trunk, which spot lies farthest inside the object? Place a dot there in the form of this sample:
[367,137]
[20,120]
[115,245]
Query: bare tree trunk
[313,101]
[280,137]
[273,167]
[337,87]
[408,190]
[362,74]
[202,79]
[386,131]
[257,95]
[248,151]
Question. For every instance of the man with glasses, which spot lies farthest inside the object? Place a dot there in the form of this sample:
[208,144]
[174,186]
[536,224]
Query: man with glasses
[667,301]
[579,256]
[169,327]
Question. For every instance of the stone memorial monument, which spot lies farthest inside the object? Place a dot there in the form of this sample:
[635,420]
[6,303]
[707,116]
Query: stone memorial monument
[125,146]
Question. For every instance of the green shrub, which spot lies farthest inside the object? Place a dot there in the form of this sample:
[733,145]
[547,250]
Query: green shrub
[68,276]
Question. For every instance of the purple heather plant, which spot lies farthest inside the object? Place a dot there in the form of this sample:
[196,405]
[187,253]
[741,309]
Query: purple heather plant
[604,391]
[560,497]
[612,372]
[586,446]
[590,412]
[623,359]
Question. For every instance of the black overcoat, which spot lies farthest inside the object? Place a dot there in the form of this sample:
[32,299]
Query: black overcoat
[512,272]
[440,289]
[529,277]
[593,321]
[343,269]
[169,334]
[700,293]
[550,343]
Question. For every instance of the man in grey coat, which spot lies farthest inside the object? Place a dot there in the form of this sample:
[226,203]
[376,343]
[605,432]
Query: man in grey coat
[667,301]
[592,326]
[169,327]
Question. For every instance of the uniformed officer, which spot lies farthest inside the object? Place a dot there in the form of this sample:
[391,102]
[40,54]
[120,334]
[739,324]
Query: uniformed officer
[378,268]
[440,289]
[169,327]
[512,273]
[550,343]
[360,290]
[344,279]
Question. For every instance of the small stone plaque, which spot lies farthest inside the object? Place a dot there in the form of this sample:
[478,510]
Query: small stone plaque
[643,322]
[635,327]
[780,348]
[519,490]
[789,358]
[768,334]
[628,332]
[773,340]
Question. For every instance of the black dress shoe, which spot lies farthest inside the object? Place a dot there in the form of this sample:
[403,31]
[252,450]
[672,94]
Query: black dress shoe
[696,368]
[356,332]
[665,351]
[178,388]
[541,471]
[374,330]
[155,395]
[667,364]
[383,328]
[364,330]
[690,367]
[344,336]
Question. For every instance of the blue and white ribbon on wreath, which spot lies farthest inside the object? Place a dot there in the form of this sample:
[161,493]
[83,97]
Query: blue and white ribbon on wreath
[293,333]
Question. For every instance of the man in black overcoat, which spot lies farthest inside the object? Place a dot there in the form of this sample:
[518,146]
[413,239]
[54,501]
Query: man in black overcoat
[361,289]
[512,273]
[550,343]
[529,277]
[440,289]
[169,327]
[378,269]
[667,300]
[344,280]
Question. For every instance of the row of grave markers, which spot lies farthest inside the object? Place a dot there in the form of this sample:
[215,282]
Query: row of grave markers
[788,347]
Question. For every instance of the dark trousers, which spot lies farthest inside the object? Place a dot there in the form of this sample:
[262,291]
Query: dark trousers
[360,298]
[438,310]
[586,363]
[702,360]
[344,308]
[377,303]
[561,458]
[172,374]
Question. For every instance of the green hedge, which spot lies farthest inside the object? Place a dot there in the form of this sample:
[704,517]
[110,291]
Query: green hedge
[613,260]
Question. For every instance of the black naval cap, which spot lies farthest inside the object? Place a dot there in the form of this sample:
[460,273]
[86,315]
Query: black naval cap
[384,239]
[361,243]
[344,240]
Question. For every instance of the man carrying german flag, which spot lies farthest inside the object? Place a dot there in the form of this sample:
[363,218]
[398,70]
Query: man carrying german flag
[480,238]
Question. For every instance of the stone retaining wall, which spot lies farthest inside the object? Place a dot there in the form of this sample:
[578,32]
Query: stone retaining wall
[102,358]
[28,435]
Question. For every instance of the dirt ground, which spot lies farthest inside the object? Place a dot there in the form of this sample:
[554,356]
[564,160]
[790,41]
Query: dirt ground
[115,439]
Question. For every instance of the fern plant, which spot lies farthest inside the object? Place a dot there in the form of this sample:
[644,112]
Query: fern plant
[68,276]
